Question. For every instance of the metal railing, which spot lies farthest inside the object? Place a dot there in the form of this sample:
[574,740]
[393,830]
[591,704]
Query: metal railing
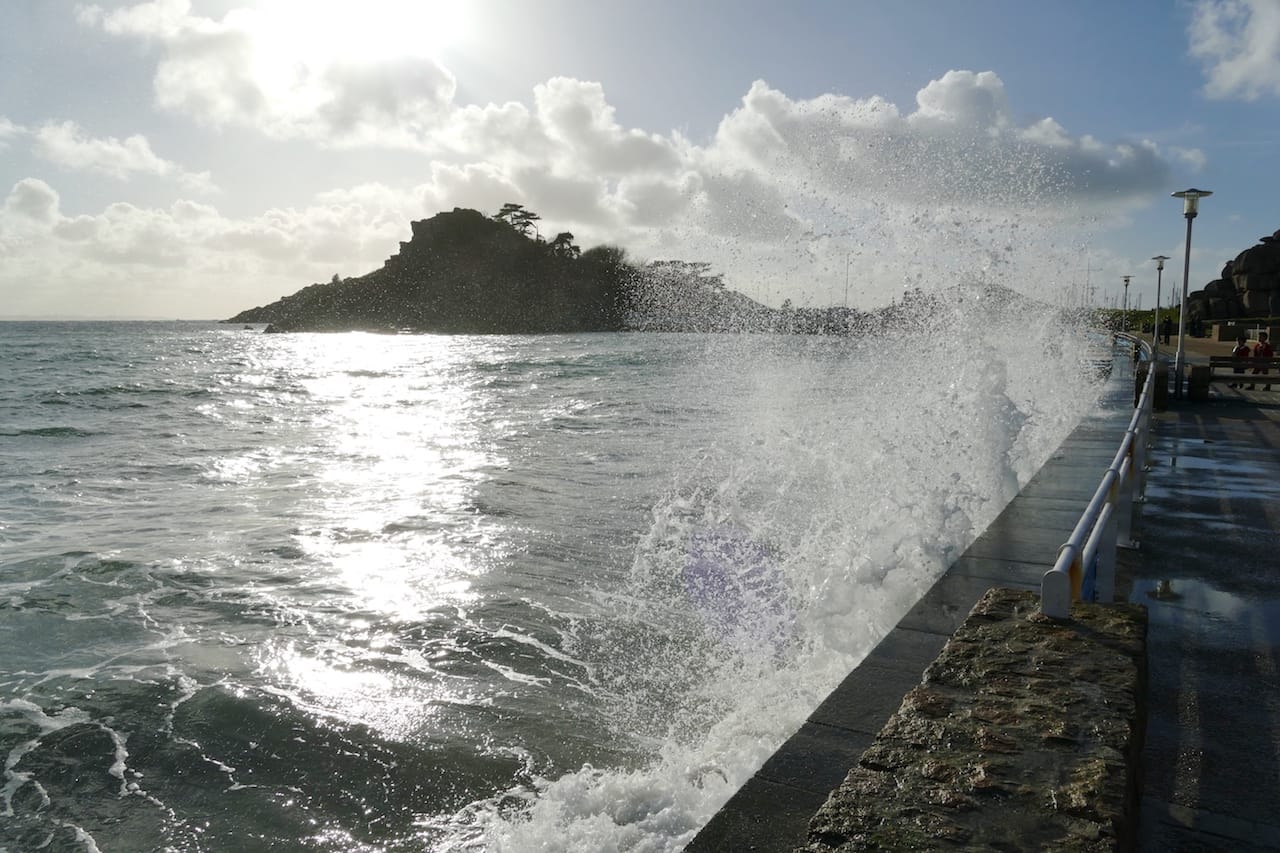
[1086,564]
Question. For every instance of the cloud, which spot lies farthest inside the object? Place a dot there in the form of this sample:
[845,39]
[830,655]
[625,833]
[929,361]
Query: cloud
[8,131]
[256,68]
[158,19]
[33,200]
[1238,43]
[960,144]
[785,189]
[67,145]
[964,98]
[580,123]
[124,259]
[1192,158]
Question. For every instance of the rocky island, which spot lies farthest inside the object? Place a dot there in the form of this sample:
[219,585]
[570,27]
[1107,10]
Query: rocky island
[464,272]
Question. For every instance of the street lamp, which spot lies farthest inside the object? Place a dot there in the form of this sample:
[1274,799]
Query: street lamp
[1125,315]
[1155,333]
[1190,207]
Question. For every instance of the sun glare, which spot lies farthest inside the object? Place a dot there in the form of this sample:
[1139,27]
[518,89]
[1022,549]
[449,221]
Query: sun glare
[321,32]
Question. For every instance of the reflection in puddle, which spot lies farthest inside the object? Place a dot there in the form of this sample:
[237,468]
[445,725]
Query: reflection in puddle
[1218,618]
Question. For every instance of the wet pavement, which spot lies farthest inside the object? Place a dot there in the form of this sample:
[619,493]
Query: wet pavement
[1208,570]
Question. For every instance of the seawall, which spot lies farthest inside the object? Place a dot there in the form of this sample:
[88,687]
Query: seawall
[773,810]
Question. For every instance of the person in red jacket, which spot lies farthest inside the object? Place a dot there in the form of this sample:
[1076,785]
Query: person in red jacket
[1263,350]
[1241,354]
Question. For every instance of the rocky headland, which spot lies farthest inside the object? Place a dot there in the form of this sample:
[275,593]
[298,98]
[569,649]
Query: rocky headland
[464,272]
[1248,287]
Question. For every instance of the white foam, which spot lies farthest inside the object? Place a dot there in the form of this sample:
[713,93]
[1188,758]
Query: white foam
[866,475]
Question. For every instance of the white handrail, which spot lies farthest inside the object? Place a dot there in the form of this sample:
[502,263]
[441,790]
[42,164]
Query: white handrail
[1107,522]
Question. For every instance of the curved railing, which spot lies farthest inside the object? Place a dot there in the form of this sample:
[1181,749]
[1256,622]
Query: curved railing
[1085,568]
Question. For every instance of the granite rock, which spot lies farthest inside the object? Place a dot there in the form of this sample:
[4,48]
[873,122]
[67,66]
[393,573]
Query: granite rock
[1024,734]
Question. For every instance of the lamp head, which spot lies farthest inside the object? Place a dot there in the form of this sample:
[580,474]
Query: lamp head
[1160,259]
[1191,200]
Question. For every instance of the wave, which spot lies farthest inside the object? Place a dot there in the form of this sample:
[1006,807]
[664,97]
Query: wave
[849,480]
[51,432]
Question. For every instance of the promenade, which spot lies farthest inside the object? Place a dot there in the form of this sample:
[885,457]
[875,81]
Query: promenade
[1208,571]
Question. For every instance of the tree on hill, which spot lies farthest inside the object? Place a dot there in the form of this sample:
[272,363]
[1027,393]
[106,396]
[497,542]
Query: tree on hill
[518,218]
[562,246]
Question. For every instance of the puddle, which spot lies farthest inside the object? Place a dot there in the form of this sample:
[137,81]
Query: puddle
[1218,618]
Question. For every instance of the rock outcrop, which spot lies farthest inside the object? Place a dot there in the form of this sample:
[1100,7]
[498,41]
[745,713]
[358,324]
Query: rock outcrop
[464,272]
[1249,286]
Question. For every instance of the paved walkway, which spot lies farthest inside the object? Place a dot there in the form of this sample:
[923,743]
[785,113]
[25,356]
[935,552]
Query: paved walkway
[1208,570]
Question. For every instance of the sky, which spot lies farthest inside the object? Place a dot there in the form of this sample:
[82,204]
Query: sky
[188,159]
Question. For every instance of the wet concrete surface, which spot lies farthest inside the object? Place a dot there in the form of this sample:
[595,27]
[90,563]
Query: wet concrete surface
[1208,570]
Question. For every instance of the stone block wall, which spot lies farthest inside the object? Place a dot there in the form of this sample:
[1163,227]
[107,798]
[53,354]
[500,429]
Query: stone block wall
[1024,734]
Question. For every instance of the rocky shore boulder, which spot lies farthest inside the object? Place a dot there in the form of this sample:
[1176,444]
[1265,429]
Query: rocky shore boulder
[1249,285]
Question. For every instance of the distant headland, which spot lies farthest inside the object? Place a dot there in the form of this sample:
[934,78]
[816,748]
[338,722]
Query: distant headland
[466,273]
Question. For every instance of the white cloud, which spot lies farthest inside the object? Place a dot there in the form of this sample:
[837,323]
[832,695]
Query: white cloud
[159,18]
[959,147]
[567,149]
[67,145]
[33,200]
[966,99]
[99,264]
[1193,158]
[257,68]
[581,126]
[8,131]
[783,183]
[1238,42]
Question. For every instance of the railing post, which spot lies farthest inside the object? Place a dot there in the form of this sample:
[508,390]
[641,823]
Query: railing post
[1055,594]
[1123,495]
[1140,450]
[1061,584]
[1104,582]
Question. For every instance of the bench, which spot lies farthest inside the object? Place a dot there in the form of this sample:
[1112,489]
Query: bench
[1222,368]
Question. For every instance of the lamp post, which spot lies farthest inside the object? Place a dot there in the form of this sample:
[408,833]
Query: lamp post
[1155,332]
[1190,207]
[1124,317]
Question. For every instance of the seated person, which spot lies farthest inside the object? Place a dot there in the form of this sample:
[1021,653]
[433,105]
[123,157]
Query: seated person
[1263,350]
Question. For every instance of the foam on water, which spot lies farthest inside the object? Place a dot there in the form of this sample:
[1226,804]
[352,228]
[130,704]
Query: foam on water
[852,479]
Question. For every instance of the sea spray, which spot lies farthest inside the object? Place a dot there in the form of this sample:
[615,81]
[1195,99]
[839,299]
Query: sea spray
[356,592]
[852,476]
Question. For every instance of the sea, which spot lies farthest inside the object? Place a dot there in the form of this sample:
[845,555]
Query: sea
[366,592]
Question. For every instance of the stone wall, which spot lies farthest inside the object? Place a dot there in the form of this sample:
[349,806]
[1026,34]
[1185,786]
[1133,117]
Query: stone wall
[1025,734]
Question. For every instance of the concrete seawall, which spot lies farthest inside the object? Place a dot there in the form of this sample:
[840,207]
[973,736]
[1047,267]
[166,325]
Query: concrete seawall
[772,811]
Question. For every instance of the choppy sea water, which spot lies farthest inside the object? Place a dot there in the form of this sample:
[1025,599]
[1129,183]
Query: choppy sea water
[369,593]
